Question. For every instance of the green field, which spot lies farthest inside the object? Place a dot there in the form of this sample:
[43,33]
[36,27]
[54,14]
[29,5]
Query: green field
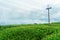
[30,32]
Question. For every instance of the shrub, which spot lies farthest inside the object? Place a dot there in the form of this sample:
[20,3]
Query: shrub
[26,33]
[53,37]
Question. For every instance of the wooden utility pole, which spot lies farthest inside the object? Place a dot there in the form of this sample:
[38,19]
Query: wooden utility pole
[48,8]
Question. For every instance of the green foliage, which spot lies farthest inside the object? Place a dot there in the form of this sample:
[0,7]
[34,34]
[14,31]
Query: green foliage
[30,32]
[53,37]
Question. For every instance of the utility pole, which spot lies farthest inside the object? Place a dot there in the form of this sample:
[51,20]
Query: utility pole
[48,8]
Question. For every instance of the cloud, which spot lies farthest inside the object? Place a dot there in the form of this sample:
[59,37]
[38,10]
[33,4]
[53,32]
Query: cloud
[28,11]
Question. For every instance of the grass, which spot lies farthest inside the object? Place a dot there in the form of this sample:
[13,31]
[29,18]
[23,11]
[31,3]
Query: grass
[30,32]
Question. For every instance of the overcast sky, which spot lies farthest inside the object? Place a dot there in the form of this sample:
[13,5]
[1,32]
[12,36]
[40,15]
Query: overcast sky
[28,11]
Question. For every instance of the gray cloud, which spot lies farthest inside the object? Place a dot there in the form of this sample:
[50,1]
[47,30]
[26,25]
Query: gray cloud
[27,11]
